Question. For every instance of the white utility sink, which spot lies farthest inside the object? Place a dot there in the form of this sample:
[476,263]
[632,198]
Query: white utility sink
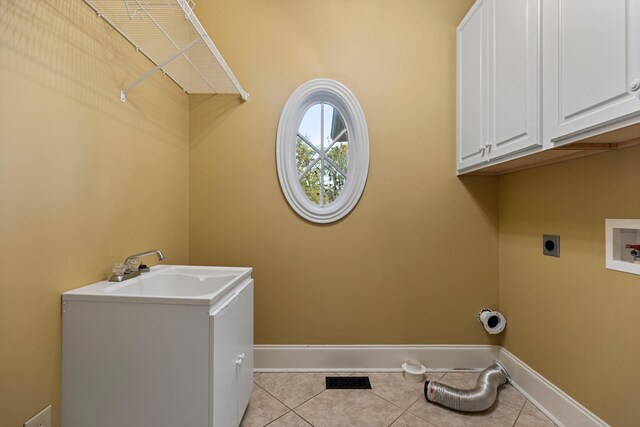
[171,347]
[167,283]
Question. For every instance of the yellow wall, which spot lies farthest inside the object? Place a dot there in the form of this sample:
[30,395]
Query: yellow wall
[84,180]
[417,258]
[571,319]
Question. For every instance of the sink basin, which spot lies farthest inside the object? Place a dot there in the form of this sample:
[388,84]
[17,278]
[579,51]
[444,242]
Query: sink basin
[172,283]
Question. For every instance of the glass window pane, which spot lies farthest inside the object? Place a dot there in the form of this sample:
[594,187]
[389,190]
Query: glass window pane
[334,127]
[310,183]
[305,155]
[310,125]
[322,121]
[333,183]
[329,120]
[339,153]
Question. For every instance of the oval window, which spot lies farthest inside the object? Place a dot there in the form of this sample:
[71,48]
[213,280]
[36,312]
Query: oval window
[322,151]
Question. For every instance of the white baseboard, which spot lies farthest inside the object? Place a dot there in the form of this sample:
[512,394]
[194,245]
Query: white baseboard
[555,403]
[367,358]
[552,401]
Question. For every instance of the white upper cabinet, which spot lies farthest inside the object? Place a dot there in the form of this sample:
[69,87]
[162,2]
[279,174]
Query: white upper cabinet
[471,87]
[514,76]
[591,65]
[498,98]
[540,81]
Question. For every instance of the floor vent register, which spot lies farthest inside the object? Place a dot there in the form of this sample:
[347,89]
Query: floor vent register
[348,383]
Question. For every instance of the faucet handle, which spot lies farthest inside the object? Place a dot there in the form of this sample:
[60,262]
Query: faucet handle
[119,268]
[133,264]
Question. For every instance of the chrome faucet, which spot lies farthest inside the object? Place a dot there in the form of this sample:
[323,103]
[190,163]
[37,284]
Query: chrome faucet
[140,255]
[122,272]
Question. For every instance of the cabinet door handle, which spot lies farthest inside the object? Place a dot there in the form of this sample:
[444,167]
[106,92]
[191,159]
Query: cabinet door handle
[240,359]
[635,85]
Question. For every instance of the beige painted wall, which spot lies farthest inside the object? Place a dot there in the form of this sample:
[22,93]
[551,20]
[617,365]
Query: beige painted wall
[417,258]
[84,180]
[571,319]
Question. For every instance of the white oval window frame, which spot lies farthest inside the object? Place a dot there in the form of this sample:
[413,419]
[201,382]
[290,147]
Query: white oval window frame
[340,97]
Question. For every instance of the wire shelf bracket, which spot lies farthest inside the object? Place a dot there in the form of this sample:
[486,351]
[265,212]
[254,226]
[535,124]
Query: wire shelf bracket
[145,76]
[169,34]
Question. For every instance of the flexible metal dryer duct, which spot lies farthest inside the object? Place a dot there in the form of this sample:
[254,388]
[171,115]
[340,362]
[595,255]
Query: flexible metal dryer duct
[479,398]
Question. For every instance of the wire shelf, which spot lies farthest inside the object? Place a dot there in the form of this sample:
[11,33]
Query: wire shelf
[137,8]
[171,36]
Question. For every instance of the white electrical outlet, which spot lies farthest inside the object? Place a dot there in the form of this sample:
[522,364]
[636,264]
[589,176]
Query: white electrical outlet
[42,419]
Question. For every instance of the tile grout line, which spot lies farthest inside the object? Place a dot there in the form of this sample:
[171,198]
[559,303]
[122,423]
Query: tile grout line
[273,421]
[392,422]
[516,420]
[303,418]
[536,415]
[410,413]
[421,419]
[312,397]
[404,411]
[418,416]
[507,404]
[414,402]
[380,397]
[388,401]
[286,406]
[267,391]
[290,411]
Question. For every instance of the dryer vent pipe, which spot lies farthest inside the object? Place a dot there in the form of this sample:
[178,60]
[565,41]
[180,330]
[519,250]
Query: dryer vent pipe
[479,398]
[493,321]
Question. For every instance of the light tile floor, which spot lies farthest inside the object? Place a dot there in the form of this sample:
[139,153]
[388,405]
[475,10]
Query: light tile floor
[301,400]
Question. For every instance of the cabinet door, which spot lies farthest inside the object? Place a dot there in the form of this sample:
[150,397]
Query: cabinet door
[514,76]
[471,87]
[231,327]
[223,369]
[592,57]
[245,347]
